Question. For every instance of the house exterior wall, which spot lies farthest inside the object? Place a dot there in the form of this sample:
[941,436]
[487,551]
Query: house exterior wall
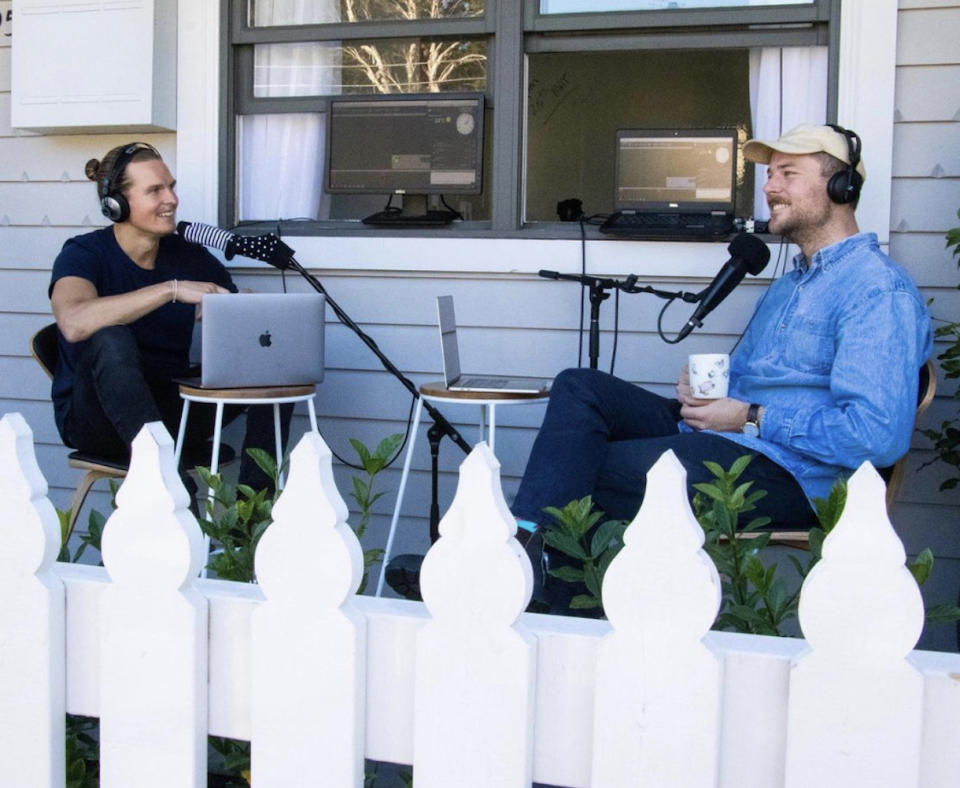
[512,321]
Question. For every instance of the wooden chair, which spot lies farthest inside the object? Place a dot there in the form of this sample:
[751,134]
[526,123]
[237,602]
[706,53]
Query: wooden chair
[892,474]
[44,348]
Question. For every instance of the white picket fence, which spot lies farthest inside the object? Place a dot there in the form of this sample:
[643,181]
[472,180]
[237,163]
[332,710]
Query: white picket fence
[466,688]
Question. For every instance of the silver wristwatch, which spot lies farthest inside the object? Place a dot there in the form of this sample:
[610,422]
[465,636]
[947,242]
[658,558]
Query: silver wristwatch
[751,427]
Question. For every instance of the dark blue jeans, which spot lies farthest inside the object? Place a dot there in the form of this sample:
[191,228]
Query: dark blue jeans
[601,435]
[115,392]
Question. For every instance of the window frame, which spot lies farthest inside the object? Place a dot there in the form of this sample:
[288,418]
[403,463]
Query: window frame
[515,30]
[865,48]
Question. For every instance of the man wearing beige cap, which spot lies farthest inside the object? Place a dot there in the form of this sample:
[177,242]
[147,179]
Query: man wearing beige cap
[824,378]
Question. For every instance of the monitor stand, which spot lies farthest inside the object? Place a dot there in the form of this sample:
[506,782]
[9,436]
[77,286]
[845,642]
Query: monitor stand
[413,213]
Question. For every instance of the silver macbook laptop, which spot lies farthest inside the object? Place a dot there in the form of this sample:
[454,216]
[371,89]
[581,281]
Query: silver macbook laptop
[450,350]
[260,339]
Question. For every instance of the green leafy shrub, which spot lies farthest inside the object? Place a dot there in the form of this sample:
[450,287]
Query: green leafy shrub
[754,600]
[946,438]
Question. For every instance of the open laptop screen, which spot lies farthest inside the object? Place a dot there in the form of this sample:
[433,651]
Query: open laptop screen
[684,170]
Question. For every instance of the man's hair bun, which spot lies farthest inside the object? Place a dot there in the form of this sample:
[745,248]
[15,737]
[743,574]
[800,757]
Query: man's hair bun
[92,169]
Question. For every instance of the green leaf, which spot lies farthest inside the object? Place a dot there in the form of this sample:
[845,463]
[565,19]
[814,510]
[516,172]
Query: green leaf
[816,537]
[920,567]
[776,600]
[604,563]
[248,492]
[568,574]
[389,445]
[584,602]
[710,490]
[564,543]
[360,490]
[610,532]
[265,461]
[592,579]
[754,571]
[716,469]
[362,451]
[797,565]
[942,614]
[739,466]
[829,510]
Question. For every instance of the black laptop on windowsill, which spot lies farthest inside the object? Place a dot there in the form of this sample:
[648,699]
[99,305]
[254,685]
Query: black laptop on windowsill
[674,184]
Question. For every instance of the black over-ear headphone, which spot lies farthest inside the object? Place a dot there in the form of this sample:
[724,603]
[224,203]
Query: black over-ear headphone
[113,204]
[844,186]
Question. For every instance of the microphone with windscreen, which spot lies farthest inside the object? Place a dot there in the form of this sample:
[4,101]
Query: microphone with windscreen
[268,248]
[748,255]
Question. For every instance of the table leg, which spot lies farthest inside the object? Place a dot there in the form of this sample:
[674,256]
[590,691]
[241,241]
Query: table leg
[214,467]
[403,486]
[313,415]
[278,443]
[181,433]
[493,426]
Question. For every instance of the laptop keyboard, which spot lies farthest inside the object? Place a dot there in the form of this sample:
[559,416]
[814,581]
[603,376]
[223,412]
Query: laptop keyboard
[483,383]
[668,224]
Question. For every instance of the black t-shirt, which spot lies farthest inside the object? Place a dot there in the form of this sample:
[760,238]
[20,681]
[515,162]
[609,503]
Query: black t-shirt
[164,334]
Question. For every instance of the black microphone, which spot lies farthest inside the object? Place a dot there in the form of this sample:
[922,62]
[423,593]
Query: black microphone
[748,254]
[267,248]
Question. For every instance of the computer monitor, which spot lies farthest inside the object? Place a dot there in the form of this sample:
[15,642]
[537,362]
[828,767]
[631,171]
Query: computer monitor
[682,169]
[405,145]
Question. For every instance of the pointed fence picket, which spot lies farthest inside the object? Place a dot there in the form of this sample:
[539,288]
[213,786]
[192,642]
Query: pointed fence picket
[32,679]
[464,687]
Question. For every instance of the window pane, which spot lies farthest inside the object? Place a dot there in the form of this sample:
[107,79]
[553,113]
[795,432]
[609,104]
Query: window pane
[407,65]
[266,13]
[593,6]
[281,171]
[577,101]
[280,166]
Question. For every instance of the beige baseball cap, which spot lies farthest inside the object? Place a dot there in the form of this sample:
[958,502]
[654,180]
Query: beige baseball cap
[805,138]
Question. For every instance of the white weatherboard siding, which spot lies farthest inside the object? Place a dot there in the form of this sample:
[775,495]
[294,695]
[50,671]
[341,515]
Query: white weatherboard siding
[513,322]
[926,196]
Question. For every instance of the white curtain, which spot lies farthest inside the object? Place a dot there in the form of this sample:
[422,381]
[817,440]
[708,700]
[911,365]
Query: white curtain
[788,86]
[281,157]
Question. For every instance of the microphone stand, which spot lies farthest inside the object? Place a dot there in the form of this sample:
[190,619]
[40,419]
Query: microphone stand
[598,294]
[440,428]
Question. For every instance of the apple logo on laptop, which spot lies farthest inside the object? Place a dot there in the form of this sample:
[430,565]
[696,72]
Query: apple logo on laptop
[265,340]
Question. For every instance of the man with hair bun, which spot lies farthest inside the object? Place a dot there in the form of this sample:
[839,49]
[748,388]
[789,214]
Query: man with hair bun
[125,298]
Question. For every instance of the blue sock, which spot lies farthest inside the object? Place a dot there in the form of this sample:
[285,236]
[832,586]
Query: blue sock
[527,525]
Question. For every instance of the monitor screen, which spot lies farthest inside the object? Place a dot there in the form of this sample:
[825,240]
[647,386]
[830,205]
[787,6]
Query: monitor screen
[663,169]
[405,144]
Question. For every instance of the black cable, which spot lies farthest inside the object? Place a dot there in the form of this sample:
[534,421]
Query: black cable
[454,211]
[583,219]
[583,272]
[616,327]
[283,271]
[393,459]
[390,207]
[406,435]
[660,324]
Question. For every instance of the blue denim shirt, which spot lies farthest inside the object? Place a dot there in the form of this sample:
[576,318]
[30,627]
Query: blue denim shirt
[833,355]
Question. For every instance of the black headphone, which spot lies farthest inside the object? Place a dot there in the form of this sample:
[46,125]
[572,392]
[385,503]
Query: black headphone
[844,186]
[113,204]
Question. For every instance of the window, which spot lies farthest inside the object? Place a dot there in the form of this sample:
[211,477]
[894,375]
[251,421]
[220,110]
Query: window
[560,78]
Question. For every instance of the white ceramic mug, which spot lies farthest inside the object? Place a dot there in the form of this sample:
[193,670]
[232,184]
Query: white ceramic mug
[709,375]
